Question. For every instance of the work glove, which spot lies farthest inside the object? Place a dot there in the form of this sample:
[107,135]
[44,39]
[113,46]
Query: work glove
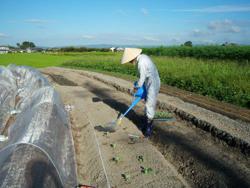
[140,91]
[135,88]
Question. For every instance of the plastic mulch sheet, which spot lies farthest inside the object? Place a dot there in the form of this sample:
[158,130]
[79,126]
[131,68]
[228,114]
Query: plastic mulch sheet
[39,151]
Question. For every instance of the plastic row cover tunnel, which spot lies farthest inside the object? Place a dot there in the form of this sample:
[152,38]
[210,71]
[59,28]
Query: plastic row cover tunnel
[39,151]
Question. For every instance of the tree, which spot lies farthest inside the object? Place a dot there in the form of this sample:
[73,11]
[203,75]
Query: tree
[229,44]
[188,43]
[26,44]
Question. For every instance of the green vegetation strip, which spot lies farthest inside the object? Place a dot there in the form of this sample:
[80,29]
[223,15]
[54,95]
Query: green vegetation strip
[231,52]
[223,80]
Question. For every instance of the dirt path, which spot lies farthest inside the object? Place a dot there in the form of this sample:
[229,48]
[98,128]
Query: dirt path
[93,148]
[223,108]
[201,159]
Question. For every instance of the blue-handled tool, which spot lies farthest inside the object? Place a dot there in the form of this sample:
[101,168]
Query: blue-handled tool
[140,94]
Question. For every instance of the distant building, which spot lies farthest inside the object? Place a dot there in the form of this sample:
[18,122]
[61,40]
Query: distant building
[118,49]
[35,49]
[4,50]
[28,50]
[38,49]
[112,49]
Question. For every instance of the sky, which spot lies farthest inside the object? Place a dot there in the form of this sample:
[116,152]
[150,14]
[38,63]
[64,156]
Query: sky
[129,22]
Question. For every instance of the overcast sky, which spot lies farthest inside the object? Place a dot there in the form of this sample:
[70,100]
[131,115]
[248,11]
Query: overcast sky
[137,22]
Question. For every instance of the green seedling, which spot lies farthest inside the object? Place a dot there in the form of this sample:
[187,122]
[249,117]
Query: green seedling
[146,170]
[105,134]
[140,158]
[126,177]
[116,159]
[113,145]
[163,114]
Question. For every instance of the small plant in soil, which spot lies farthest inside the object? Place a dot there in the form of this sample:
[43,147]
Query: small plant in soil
[126,177]
[163,114]
[146,170]
[105,134]
[116,159]
[140,158]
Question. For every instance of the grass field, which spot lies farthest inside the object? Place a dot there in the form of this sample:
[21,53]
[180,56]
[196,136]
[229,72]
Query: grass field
[37,60]
[223,80]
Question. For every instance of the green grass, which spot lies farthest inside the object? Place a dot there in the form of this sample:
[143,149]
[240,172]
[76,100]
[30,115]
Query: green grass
[37,60]
[223,80]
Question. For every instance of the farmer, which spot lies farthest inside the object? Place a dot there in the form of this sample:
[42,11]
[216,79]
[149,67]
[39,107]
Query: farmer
[148,75]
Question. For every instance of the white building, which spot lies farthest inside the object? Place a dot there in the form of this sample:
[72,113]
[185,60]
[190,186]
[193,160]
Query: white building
[29,50]
[112,49]
[4,50]
[119,49]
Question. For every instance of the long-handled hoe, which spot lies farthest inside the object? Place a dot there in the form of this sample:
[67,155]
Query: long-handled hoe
[140,94]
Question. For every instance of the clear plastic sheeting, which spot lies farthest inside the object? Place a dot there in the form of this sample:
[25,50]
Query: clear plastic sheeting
[39,151]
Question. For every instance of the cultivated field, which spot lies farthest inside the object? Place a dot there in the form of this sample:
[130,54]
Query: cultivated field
[224,80]
[179,154]
[193,148]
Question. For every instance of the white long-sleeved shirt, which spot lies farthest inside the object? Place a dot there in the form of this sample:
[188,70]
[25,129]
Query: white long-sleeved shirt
[148,73]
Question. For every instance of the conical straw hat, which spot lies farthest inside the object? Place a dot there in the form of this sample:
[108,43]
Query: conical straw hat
[130,54]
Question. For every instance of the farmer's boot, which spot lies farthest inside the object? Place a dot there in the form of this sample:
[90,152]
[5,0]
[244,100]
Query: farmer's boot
[149,128]
[142,124]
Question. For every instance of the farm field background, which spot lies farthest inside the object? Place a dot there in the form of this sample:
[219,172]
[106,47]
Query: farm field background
[224,80]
